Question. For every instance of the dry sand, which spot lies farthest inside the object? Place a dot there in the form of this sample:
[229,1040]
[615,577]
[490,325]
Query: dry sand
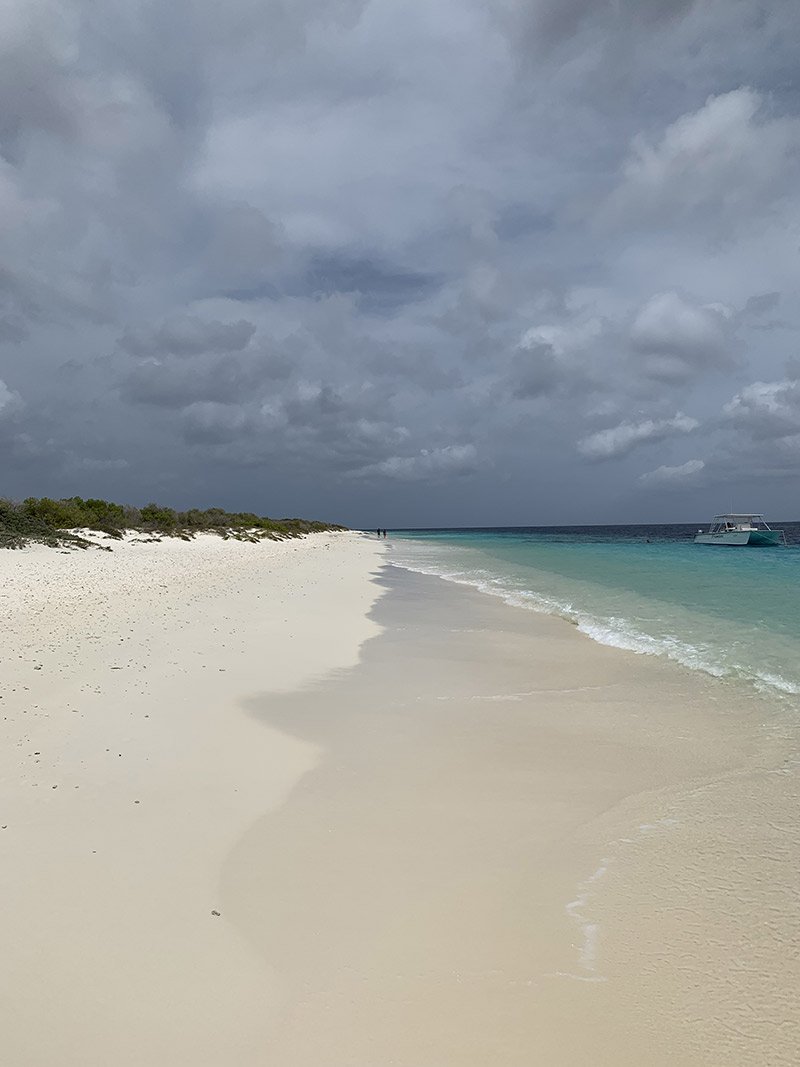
[129,767]
[452,834]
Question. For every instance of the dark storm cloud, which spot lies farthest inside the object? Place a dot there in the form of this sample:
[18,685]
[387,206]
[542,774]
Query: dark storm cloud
[357,248]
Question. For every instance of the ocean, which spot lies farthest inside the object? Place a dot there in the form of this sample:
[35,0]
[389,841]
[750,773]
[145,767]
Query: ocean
[731,612]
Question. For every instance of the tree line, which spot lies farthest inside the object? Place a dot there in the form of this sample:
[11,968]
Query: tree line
[55,522]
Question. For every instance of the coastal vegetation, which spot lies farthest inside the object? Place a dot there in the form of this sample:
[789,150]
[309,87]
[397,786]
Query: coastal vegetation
[59,522]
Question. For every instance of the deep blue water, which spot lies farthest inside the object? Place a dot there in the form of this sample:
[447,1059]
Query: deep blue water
[729,611]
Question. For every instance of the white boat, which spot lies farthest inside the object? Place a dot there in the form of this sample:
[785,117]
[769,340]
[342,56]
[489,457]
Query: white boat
[740,530]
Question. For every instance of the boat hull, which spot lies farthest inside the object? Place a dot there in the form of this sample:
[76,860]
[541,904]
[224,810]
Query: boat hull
[756,538]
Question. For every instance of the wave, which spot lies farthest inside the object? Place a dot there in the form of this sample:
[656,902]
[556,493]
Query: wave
[613,631]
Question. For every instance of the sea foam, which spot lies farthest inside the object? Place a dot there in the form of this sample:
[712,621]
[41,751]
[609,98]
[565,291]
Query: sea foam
[645,626]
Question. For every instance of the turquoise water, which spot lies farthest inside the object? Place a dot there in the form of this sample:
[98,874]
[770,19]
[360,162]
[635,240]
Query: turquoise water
[731,612]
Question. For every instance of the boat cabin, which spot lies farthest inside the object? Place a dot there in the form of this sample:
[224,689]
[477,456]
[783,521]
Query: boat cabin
[732,523]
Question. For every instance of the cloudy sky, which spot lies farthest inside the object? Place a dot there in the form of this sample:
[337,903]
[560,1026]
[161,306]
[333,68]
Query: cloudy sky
[403,262]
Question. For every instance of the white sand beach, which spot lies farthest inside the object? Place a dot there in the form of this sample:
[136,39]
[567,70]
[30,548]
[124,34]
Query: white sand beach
[130,766]
[253,814]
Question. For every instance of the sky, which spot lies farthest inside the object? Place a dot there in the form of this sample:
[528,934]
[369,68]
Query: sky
[402,262]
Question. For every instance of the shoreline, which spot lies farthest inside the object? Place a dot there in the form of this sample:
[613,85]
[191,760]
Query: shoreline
[691,639]
[382,818]
[500,804]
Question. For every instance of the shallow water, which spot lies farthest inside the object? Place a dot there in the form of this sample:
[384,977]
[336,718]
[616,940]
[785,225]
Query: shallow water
[731,612]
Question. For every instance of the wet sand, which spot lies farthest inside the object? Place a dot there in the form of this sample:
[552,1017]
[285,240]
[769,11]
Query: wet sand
[522,847]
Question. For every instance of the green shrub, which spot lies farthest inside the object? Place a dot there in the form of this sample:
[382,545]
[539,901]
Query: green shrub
[158,517]
[21,523]
[48,521]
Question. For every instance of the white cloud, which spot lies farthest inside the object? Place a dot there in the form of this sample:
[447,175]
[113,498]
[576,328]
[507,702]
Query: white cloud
[563,339]
[726,156]
[766,409]
[623,438]
[426,464]
[673,476]
[9,400]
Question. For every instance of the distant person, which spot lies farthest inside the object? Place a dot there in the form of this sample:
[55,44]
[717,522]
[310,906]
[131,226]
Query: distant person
[378,532]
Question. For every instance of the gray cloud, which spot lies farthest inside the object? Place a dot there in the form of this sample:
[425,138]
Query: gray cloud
[12,329]
[535,371]
[398,263]
[172,384]
[188,336]
[92,463]
[679,338]
[36,89]
[241,252]
[545,23]
[761,304]
[377,285]
[215,422]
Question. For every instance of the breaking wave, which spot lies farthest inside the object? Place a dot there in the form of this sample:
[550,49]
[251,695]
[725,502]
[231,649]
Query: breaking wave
[616,631]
